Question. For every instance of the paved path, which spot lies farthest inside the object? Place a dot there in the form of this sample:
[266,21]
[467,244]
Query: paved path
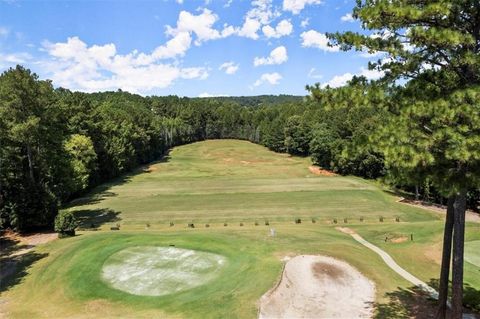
[391,263]
[395,267]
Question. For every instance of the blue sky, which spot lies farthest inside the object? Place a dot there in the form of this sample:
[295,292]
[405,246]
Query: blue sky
[187,48]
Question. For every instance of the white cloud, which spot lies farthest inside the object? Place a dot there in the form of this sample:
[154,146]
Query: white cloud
[283,28]
[271,78]
[313,74]
[75,65]
[261,14]
[365,54]
[206,94]
[201,25]
[194,73]
[229,67]
[262,11]
[277,56]
[318,40]
[347,18]
[249,29]
[341,80]
[11,59]
[295,6]
[305,23]
[179,1]
[228,4]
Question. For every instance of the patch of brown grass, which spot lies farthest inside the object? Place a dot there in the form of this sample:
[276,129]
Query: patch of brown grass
[322,172]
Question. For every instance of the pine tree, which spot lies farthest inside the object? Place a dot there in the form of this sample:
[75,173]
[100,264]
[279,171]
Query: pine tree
[434,124]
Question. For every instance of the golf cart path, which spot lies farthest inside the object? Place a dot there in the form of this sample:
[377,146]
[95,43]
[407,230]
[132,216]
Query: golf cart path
[395,267]
[391,263]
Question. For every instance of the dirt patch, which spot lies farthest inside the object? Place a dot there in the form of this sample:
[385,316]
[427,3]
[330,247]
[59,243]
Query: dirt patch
[40,238]
[151,169]
[398,240]
[346,230]
[322,172]
[25,243]
[321,269]
[319,287]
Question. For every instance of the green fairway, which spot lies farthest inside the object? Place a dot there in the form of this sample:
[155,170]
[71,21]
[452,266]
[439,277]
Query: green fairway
[227,180]
[472,252]
[173,271]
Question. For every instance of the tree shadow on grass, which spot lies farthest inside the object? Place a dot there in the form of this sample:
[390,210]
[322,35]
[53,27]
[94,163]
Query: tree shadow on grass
[92,219]
[103,191]
[415,303]
[471,298]
[15,260]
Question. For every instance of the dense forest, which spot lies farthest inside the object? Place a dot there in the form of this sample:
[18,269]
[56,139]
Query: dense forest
[57,144]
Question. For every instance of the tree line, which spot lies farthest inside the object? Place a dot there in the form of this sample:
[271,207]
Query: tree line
[57,144]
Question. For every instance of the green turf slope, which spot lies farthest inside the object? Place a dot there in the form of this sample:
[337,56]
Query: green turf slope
[232,181]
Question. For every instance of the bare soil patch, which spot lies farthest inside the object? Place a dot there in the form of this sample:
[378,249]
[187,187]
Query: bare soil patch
[150,169]
[322,172]
[346,230]
[15,248]
[398,240]
[319,287]
[321,269]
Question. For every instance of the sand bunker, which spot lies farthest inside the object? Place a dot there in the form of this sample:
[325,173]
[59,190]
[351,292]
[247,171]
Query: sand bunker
[319,287]
[158,271]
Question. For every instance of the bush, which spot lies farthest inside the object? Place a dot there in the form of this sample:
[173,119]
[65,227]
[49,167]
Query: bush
[65,224]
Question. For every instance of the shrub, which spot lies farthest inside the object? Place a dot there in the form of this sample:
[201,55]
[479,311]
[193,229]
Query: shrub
[65,224]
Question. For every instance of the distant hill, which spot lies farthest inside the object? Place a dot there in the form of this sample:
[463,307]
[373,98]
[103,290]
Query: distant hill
[259,99]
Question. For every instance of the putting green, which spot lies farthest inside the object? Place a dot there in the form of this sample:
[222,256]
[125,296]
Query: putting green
[472,252]
[158,271]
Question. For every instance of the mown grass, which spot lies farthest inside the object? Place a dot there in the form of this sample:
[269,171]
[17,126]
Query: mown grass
[219,182]
[70,275]
[225,180]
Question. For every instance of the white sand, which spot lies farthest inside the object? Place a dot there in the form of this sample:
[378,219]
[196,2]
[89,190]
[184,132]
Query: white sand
[319,287]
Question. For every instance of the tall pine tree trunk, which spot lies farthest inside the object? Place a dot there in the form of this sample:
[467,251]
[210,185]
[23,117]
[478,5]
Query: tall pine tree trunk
[446,258]
[459,207]
[30,163]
